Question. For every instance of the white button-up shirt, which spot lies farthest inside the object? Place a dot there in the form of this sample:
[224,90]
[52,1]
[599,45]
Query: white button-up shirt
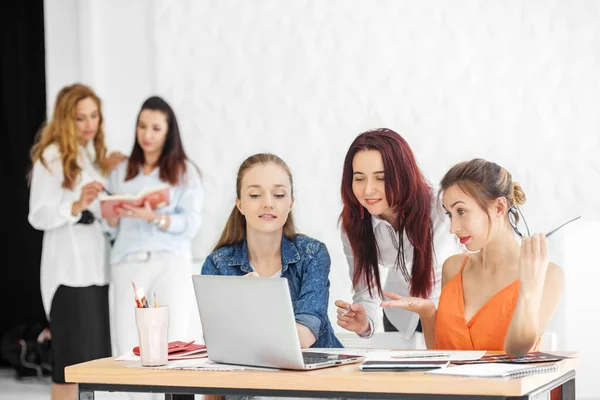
[393,280]
[72,254]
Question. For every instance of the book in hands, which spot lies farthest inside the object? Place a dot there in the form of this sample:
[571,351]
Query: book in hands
[157,196]
[179,350]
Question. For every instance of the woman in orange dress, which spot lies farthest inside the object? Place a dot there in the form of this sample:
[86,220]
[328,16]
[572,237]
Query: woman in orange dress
[502,294]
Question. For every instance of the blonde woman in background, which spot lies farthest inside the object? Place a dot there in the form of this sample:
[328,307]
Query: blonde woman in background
[69,167]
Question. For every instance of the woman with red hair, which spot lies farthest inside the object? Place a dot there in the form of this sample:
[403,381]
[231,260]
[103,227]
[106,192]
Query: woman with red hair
[390,219]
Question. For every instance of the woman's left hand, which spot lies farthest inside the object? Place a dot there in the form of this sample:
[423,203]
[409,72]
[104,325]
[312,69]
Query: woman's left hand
[146,212]
[413,304]
[533,263]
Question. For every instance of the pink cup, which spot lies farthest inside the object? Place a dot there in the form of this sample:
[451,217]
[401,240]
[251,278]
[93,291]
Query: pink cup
[153,330]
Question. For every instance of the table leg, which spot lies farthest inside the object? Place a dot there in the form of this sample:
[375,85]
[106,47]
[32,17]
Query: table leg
[568,390]
[85,394]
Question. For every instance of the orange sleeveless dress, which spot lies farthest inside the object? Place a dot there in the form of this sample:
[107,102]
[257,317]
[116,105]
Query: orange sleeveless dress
[486,330]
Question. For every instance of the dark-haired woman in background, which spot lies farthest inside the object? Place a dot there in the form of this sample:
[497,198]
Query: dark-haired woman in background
[153,247]
[390,219]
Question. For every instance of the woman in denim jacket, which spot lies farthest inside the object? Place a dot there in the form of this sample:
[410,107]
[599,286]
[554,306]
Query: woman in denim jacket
[260,239]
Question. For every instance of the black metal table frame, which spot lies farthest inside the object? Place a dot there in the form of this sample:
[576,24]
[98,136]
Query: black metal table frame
[86,392]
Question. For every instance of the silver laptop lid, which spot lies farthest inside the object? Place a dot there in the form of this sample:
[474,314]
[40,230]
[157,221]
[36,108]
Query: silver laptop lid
[248,321]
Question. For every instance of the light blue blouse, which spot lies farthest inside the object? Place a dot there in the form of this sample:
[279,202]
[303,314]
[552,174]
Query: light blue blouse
[135,235]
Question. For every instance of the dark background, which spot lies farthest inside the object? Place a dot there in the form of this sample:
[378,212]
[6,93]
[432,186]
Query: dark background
[22,112]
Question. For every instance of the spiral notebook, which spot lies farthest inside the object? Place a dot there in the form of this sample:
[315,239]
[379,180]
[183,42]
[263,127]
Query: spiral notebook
[496,370]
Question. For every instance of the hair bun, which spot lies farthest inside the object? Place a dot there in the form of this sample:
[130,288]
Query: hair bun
[518,194]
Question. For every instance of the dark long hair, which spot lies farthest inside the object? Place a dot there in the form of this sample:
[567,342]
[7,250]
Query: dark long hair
[410,196]
[172,159]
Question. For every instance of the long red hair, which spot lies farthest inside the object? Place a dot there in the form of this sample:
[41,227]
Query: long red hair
[409,194]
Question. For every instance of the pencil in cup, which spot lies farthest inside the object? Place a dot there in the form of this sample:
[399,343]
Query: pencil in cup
[138,303]
[140,298]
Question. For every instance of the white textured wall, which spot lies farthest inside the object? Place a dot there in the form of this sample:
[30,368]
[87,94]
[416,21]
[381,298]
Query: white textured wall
[517,82]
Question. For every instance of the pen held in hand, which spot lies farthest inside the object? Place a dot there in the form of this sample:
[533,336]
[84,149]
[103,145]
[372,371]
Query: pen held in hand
[345,312]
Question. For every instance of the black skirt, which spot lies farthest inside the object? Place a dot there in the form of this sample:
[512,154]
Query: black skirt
[80,327]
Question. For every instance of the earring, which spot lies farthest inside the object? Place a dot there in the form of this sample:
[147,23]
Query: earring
[362,212]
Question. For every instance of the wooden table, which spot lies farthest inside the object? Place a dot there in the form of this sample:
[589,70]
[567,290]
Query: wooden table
[344,381]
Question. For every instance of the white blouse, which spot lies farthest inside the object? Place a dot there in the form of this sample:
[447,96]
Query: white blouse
[72,254]
[392,278]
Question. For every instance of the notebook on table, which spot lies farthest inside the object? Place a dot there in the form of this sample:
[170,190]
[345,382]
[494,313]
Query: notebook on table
[179,350]
[403,365]
[496,370]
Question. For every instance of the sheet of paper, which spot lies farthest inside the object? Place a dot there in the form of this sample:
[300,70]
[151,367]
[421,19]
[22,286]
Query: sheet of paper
[129,356]
[423,355]
[201,364]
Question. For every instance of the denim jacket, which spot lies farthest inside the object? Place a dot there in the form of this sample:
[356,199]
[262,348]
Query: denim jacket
[305,263]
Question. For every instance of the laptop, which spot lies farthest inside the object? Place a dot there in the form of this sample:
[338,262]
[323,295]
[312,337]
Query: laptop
[250,321]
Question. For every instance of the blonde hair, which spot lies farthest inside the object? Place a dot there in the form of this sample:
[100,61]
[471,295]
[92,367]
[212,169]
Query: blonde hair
[62,130]
[484,181]
[235,229]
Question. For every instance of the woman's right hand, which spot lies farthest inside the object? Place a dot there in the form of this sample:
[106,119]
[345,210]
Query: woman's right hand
[89,193]
[352,317]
